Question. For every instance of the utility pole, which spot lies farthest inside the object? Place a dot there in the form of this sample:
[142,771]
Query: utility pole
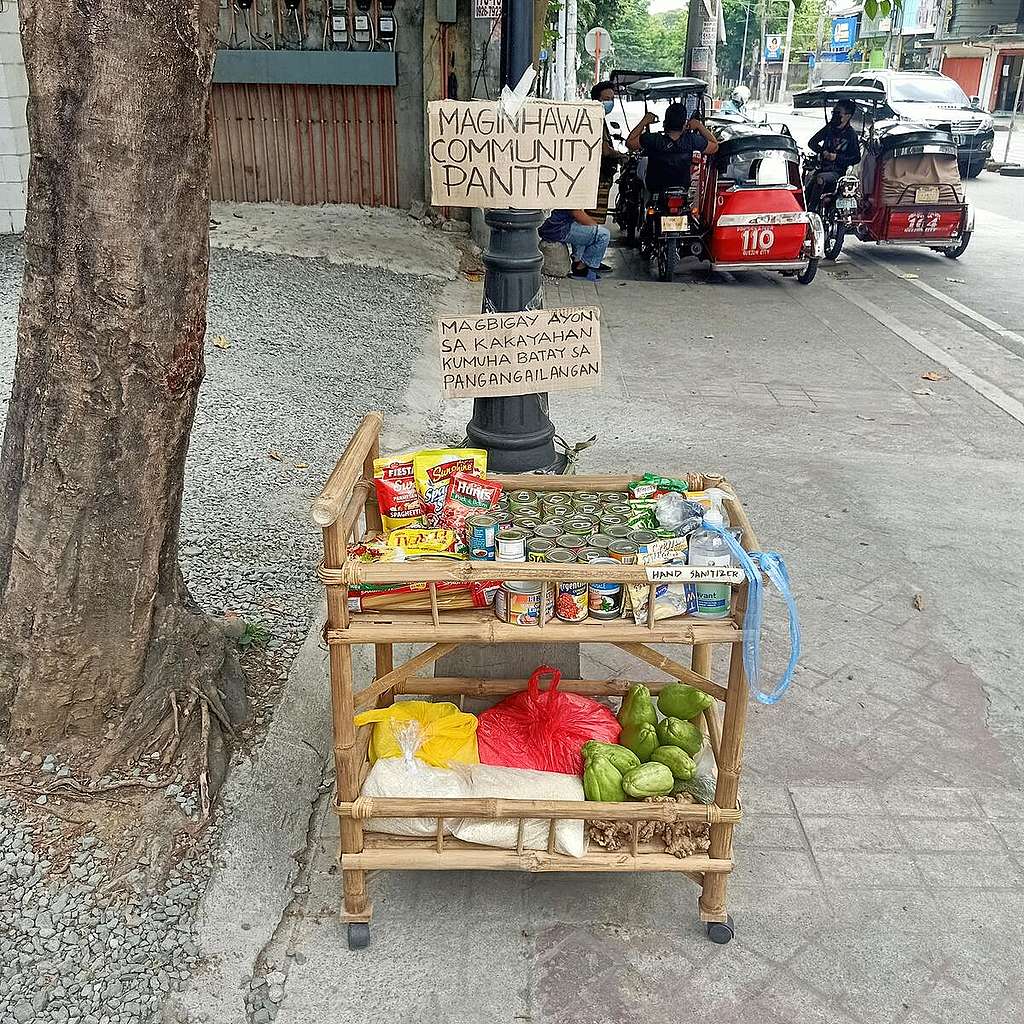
[743,51]
[559,78]
[787,52]
[701,41]
[762,91]
[515,430]
[571,21]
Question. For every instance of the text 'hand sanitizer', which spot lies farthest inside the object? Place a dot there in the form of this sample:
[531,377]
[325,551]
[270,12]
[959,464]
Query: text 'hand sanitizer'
[709,547]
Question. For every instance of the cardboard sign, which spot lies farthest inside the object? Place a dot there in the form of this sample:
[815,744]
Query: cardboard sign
[487,9]
[695,574]
[488,354]
[548,157]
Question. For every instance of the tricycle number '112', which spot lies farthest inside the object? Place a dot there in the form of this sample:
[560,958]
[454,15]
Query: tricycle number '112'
[757,241]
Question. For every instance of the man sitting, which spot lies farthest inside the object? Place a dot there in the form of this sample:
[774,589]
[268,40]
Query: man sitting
[669,152]
[587,239]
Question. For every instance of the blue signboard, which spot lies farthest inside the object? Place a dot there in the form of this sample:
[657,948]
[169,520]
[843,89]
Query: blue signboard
[844,33]
[773,48]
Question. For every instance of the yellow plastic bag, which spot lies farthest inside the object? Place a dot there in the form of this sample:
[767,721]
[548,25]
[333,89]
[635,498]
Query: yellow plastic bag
[448,734]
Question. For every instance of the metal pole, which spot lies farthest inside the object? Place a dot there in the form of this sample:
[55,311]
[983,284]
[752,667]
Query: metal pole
[743,52]
[561,65]
[1013,115]
[597,60]
[515,430]
[762,92]
[571,22]
[784,78]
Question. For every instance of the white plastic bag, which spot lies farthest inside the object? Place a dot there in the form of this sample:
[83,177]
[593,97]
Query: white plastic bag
[485,780]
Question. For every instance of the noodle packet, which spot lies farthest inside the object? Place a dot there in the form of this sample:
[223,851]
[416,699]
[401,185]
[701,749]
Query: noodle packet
[416,542]
[433,468]
[415,597]
[467,495]
[395,485]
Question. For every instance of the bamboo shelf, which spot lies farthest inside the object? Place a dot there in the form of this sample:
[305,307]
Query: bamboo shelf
[345,510]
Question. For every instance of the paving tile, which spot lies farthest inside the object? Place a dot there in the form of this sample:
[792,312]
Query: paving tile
[1012,834]
[949,836]
[778,867]
[769,832]
[867,870]
[764,798]
[851,801]
[970,870]
[923,802]
[788,1000]
[828,834]
[1006,804]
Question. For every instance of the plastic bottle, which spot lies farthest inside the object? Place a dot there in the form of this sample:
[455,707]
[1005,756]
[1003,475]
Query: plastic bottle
[707,547]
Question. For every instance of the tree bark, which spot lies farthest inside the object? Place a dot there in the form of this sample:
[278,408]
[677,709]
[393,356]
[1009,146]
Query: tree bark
[96,625]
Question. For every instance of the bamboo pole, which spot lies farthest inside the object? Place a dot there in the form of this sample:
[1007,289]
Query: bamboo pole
[413,859]
[479,626]
[434,614]
[499,807]
[700,662]
[673,668]
[452,686]
[348,520]
[331,500]
[365,697]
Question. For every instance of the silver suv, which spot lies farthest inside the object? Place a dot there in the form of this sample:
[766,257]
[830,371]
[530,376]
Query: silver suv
[931,98]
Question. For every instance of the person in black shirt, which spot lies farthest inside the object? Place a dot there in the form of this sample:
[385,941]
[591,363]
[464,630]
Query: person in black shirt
[838,149]
[669,151]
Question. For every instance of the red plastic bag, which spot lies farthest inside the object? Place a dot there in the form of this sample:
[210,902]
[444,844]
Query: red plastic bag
[543,731]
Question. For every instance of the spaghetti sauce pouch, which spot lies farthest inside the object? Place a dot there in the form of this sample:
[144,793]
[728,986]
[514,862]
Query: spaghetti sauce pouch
[467,496]
[432,469]
[395,485]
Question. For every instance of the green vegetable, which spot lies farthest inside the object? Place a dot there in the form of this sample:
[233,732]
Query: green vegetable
[700,787]
[677,760]
[642,739]
[602,781]
[678,700]
[648,780]
[637,707]
[622,757]
[674,732]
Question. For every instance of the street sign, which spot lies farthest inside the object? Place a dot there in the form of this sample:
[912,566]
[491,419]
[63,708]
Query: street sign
[598,41]
[700,58]
[773,48]
[487,8]
[844,33]
[494,354]
[547,157]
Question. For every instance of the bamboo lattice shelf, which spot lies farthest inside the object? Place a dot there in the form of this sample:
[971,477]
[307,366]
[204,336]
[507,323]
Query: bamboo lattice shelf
[345,510]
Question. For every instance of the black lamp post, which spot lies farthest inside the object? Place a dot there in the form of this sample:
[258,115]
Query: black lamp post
[516,431]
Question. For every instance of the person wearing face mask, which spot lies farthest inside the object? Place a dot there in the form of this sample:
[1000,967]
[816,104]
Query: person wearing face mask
[837,148]
[604,93]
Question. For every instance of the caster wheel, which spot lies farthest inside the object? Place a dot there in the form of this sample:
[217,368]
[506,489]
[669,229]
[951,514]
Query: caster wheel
[721,932]
[359,935]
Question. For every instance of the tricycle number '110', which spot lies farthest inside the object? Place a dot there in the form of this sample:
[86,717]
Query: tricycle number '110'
[757,241]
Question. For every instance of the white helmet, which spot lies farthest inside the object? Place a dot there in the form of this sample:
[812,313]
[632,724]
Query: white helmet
[740,95]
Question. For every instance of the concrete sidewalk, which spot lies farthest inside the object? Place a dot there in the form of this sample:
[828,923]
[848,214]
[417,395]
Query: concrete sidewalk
[880,865]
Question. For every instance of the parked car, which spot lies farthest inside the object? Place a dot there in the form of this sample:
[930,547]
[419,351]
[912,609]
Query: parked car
[932,99]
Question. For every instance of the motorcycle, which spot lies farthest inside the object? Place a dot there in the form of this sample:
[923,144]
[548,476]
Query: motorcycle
[836,204]
[664,227]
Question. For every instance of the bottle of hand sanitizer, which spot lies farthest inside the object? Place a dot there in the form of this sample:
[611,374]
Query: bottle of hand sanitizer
[707,547]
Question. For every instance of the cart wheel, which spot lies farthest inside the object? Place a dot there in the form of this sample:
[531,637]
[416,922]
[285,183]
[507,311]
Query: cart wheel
[721,932]
[807,276]
[958,251]
[359,935]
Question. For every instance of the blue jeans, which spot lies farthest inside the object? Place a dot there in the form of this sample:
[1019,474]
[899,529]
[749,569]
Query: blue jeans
[588,243]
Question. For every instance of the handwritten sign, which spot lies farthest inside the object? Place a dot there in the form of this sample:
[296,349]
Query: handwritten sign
[695,574]
[519,353]
[548,157]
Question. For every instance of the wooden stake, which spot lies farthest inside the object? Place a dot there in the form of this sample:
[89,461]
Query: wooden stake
[672,668]
[434,615]
[368,696]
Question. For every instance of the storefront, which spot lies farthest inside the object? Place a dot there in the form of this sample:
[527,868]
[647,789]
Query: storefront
[1007,70]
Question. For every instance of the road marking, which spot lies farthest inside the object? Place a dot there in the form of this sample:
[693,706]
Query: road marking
[972,314]
[997,396]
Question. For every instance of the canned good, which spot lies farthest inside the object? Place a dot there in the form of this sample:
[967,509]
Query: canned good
[561,555]
[622,550]
[481,532]
[580,526]
[604,600]
[511,545]
[589,508]
[590,554]
[571,541]
[517,498]
[529,523]
[613,519]
[643,537]
[555,500]
[547,530]
[537,549]
[519,603]
[619,509]
[586,496]
[600,540]
[614,497]
[502,518]
[572,602]
[618,532]
[555,518]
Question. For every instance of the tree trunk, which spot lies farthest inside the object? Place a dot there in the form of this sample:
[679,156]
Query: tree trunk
[96,625]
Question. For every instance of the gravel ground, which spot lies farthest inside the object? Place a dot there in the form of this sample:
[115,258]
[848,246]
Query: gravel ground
[297,351]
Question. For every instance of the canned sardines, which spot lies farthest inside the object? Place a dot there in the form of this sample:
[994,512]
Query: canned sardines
[519,603]
[605,599]
[511,545]
[481,534]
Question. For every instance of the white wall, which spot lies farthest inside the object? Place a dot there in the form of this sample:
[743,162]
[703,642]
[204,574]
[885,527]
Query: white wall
[14,151]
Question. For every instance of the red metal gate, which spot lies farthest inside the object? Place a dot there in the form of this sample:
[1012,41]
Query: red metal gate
[304,144]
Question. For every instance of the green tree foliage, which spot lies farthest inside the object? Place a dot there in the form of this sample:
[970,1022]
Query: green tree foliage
[806,22]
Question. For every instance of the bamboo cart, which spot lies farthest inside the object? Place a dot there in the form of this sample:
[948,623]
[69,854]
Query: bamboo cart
[344,510]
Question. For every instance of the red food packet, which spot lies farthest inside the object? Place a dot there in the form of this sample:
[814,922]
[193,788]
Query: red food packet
[397,499]
[467,495]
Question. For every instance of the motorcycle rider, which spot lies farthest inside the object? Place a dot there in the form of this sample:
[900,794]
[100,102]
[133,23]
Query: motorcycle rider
[837,148]
[737,101]
[669,151]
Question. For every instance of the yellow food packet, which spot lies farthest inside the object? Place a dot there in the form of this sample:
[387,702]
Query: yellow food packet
[417,542]
[433,469]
